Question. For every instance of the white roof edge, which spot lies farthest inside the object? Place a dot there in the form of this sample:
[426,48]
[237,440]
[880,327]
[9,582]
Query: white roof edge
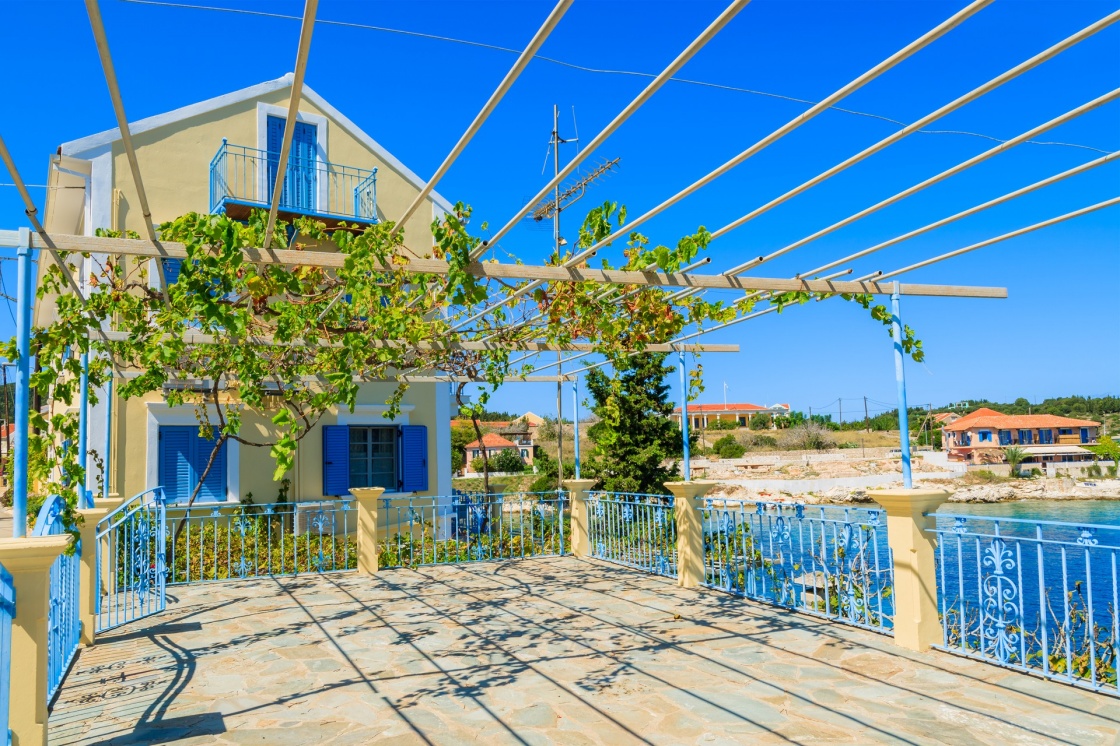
[82,146]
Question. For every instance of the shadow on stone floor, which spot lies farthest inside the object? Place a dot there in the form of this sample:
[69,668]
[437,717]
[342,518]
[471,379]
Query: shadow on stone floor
[609,648]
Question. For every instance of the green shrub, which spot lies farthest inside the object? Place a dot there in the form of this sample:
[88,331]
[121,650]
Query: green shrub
[761,422]
[848,444]
[728,447]
[509,460]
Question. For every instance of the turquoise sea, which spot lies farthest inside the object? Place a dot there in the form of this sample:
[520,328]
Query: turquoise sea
[1102,512]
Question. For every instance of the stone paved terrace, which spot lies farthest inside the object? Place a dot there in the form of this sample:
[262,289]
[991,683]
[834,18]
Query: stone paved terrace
[536,651]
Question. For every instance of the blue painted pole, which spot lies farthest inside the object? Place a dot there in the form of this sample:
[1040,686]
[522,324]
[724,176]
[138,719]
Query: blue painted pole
[575,420]
[86,500]
[23,385]
[108,435]
[900,380]
[686,470]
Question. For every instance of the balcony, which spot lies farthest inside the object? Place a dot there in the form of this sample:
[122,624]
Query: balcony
[242,179]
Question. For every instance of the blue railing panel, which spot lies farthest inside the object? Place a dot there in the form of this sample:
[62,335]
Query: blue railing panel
[235,542]
[633,529]
[131,571]
[311,186]
[463,527]
[828,561]
[1035,596]
[64,626]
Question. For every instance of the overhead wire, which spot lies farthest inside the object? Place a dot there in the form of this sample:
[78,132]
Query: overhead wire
[588,69]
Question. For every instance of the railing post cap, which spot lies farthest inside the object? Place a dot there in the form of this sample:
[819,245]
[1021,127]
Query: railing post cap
[908,501]
[108,503]
[694,488]
[579,485]
[367,493]
[32,552]
[96,513]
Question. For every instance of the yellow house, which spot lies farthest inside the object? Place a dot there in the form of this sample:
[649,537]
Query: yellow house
[221,155]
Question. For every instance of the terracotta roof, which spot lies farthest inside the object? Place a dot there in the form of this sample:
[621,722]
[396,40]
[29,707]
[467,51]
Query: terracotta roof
[997,421]
[491,440]
[945,417]
[699,408]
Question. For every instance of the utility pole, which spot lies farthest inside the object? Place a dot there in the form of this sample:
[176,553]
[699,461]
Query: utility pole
[840,402]
[559,355]
[866,416]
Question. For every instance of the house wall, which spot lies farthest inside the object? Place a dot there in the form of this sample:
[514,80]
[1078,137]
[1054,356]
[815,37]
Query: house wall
[133,468]
[175,164]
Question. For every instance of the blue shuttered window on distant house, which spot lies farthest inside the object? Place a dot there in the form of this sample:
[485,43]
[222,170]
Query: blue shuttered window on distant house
[1026,437]
[300,178]
[1046,436]
[1005,437]
[183,456]
[395,458]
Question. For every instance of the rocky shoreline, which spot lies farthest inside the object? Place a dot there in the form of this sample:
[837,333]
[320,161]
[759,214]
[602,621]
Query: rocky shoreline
[1010,491]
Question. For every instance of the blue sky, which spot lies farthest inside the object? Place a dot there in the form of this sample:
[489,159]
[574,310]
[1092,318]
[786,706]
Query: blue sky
[1055,335]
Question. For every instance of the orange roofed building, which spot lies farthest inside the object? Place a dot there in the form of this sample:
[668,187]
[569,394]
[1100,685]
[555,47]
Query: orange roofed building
[490,446]
[979,437]
[701,415]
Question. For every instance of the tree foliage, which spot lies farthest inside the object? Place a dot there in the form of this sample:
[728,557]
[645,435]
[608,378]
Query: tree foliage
[294,342]
[637,444]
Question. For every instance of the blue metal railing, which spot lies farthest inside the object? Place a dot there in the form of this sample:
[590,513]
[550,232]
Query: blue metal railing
[7,613]
[1035,596]
[243,175]
[232,542]
[828,561]
[131,574]
[633,529]
[465,527]
[64,625]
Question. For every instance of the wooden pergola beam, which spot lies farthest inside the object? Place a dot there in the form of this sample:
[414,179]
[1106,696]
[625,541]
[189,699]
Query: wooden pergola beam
[131,247]
[202,339]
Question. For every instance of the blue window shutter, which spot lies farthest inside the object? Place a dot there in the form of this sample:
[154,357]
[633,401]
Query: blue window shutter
[275,138]
[214,487]
[171,269]
[303,174]
[174,461]
[414,458]
[336,460]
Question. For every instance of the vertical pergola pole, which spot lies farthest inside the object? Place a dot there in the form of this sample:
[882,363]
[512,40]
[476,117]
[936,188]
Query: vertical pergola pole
[575,420]
[105,468]
[686,470]
[23,384]
[86,499]
[900,380]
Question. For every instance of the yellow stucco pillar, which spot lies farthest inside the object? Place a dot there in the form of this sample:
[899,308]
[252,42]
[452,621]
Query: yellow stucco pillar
[88,573]
[916,624]
[688,507]
[369,501]
[29,562]
[578,489]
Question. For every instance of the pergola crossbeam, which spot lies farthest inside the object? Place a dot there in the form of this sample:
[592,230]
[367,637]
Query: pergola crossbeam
[538,273]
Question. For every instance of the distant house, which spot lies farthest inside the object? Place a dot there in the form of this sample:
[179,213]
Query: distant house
[980,437]
[946,418]
[523,434]
[489,446]
[701,415]
[533,419]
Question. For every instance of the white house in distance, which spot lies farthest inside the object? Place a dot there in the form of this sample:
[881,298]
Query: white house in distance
[221,155]
[700,415]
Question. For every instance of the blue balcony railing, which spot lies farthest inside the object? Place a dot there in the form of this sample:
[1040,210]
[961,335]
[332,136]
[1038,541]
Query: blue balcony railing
[245,177]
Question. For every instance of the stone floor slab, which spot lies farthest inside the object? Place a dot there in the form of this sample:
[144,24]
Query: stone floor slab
[554,650]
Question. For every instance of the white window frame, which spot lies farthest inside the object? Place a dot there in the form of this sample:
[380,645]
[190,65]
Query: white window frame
[264,111]
[161,413]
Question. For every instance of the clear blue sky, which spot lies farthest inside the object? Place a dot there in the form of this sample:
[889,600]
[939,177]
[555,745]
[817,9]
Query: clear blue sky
[1057,334]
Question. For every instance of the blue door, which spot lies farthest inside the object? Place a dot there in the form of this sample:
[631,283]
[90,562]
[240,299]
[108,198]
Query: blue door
[183,456]
[300,179]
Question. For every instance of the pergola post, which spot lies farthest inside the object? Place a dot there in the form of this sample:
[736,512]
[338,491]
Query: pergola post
[29,561]
[575,420]
[900,381]
[686,469]
[367,499]
[688,507]
[85,498]
[578,489]
[24,293]
[106,468]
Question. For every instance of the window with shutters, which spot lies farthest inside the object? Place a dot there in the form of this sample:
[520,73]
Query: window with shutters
[183,457]
[373,457]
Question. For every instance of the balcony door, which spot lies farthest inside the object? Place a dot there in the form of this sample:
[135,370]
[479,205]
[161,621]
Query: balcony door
[301,177]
